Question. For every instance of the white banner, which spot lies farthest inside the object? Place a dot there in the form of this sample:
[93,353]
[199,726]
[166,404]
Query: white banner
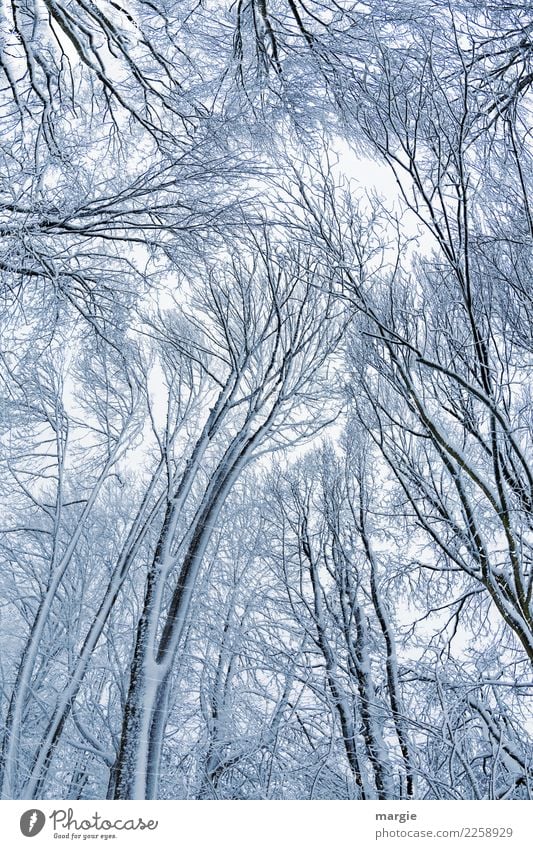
[267,825]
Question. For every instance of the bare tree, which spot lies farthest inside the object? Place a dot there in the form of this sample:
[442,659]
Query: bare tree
[263,345]
[61,491]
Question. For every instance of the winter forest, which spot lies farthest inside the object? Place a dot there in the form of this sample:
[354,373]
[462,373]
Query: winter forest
[266,477]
